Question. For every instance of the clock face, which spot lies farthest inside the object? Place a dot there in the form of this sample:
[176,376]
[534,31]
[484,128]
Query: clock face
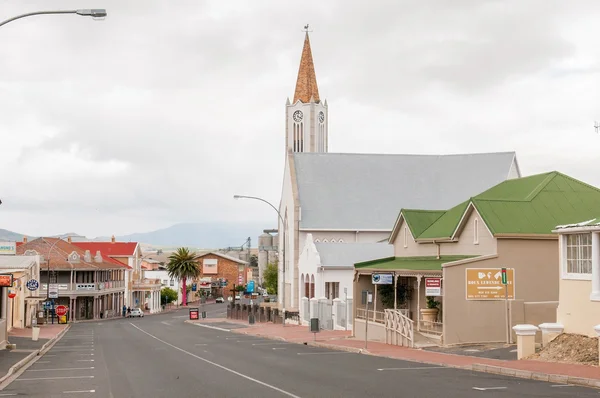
[321,117]
[298,116]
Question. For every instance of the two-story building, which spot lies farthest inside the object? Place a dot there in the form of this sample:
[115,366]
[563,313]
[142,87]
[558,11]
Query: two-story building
[140,291]
[220,272]
[91,285]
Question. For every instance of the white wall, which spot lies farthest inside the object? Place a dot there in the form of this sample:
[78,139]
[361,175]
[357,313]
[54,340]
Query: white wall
[163,275]
[286,207]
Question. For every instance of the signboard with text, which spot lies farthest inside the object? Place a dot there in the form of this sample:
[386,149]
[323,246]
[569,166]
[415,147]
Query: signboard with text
[486,284]
[433,286]
[382,279]
[6,280]
[8,248]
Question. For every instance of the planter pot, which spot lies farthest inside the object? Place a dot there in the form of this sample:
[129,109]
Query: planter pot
[429,314]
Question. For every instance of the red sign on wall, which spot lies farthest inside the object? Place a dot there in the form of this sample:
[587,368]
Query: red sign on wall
[433,286]
[6,280]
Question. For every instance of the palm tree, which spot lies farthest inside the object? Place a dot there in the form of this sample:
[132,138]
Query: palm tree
[182,265]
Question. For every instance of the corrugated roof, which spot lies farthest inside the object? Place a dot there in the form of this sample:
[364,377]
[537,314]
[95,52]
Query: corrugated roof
[528,205]
[594,222]
[347,254]
[115,249]
[367,191]
[237,260]
[410,263]
[17,262]
[419,220]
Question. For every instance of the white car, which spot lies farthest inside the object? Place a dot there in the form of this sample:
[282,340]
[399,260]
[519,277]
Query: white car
[136,312]
[219,300]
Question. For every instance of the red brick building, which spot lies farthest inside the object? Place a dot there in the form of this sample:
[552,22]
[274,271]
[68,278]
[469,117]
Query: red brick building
[219,272]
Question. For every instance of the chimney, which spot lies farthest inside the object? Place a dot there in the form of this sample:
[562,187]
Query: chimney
[69,239]
[24,239]
[112,239]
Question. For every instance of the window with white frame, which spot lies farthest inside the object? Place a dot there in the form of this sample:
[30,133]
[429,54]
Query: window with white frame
[579,254]
[405,236]
[476,231]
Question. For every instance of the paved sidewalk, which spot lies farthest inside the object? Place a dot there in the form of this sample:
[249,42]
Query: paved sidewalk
[342,340]
[26,348]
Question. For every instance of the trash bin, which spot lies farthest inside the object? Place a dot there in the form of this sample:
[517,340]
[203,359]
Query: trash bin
[193,313]
[35,333]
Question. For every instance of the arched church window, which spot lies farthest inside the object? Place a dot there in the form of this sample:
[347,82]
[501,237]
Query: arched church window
[325,241]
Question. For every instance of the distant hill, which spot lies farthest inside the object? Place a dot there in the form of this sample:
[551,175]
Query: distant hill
[196,235]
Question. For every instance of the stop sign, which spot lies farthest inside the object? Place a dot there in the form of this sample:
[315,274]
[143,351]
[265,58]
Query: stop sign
[61,310]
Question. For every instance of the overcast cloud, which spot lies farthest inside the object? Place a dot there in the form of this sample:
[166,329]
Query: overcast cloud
[163,111]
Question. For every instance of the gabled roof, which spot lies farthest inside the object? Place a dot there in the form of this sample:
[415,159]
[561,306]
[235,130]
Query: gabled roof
[366,191]
[424,263]
[114,249]
[347,254]
[417,221]
[58,251]
[237,260]
[528,205]
[306,83]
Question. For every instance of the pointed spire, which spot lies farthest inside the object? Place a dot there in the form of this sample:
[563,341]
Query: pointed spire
[306,84]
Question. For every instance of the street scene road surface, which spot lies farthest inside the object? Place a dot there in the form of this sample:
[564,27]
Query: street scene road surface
[162,356]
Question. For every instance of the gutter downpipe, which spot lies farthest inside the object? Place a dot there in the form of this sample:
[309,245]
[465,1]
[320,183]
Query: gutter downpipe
[438,249]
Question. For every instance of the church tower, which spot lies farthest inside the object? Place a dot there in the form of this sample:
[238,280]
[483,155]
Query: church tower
[306,116]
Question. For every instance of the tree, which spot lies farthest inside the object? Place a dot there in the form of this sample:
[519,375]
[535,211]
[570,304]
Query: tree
[270,278]
[168,295]
[183,265]
[254,260]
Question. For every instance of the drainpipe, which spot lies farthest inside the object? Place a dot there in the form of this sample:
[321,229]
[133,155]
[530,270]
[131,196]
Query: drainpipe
[438,249]
[356,237]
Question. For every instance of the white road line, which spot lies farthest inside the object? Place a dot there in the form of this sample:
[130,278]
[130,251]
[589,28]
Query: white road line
[324,353]
[201,344]
[472,350]
[57,369]
[165,323]
[211,327]
[78,392]
[513,350]
[489,388]
[82,360]
[275,348]
[56,378]
[74,346]
[7,395]
[289,394]
[43,362]
[272,343]
[563,385]
[416,368]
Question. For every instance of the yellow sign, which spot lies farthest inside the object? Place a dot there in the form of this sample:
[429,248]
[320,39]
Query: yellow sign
[486,284]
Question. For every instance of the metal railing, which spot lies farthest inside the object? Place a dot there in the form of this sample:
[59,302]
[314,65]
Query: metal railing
[374,316]
[431,327]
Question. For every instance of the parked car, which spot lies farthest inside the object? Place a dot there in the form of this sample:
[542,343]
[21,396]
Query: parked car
[220,300]
[136,312]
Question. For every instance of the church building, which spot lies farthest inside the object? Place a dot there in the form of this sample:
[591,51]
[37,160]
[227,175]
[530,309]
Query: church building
[355,198]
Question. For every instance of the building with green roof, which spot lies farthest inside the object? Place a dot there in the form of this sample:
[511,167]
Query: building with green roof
[509,225]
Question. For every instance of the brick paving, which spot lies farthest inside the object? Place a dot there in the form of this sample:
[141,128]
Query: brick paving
[342,340]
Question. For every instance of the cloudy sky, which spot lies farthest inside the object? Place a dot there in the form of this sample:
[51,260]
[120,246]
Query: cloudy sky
[164,110]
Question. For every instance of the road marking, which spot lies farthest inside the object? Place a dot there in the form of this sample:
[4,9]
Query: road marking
[43,362]
[75,346]
[57,369]
[275,348]
[272,343]
[77,392]
[262,383]
[7,395]
[82,360]
[489,388]
[56,378]
[472,350]
[324,353]
[165,323]
[563,385]
[201,344]
[513,350]
[416,368]
[211,327]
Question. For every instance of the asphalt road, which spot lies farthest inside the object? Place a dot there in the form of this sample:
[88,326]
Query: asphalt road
[161,356]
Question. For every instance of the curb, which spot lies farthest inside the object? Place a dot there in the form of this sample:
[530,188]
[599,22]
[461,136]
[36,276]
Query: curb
[527,374]
[29,358]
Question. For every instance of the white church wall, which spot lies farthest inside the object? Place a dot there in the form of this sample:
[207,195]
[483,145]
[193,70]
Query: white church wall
[286,207]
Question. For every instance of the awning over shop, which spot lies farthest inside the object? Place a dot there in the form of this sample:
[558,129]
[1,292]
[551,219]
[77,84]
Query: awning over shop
[429,263]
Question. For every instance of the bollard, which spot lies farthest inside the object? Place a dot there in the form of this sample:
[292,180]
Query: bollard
[550,331]
[597,329]
[525,340]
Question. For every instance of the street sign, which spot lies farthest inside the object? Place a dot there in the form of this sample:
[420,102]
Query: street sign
[194,287]
[250,288]
[32,284]
[504,280]
[433,286]
[53,290]
[193,313]
[61,310]
[486,284]
[382,279]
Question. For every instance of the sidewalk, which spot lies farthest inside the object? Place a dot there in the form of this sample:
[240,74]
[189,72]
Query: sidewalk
[342,340]
[26,348]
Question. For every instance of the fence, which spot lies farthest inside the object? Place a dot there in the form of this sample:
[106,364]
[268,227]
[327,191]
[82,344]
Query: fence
[399,329]
[332,314]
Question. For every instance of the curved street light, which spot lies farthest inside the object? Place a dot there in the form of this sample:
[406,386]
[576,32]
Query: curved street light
[282,250]
[94,13]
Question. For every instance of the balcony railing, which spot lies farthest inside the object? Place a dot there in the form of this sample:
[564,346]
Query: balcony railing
[85,287]
[147,283]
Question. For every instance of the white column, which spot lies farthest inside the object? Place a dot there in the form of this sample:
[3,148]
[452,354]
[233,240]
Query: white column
[595,265]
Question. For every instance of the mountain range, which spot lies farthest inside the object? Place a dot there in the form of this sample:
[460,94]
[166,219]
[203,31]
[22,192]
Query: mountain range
[197,235]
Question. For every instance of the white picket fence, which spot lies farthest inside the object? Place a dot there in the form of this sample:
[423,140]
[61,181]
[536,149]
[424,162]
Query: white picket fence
[333,314]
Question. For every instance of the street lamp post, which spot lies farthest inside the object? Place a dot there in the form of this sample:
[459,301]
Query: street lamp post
[283,249]
[94,13]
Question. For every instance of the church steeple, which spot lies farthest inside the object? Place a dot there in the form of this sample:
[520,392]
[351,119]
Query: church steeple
[307,116]
[306,84]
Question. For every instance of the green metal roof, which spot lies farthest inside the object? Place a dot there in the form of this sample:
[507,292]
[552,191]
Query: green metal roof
[527,205]
[428,263]
[419,220]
